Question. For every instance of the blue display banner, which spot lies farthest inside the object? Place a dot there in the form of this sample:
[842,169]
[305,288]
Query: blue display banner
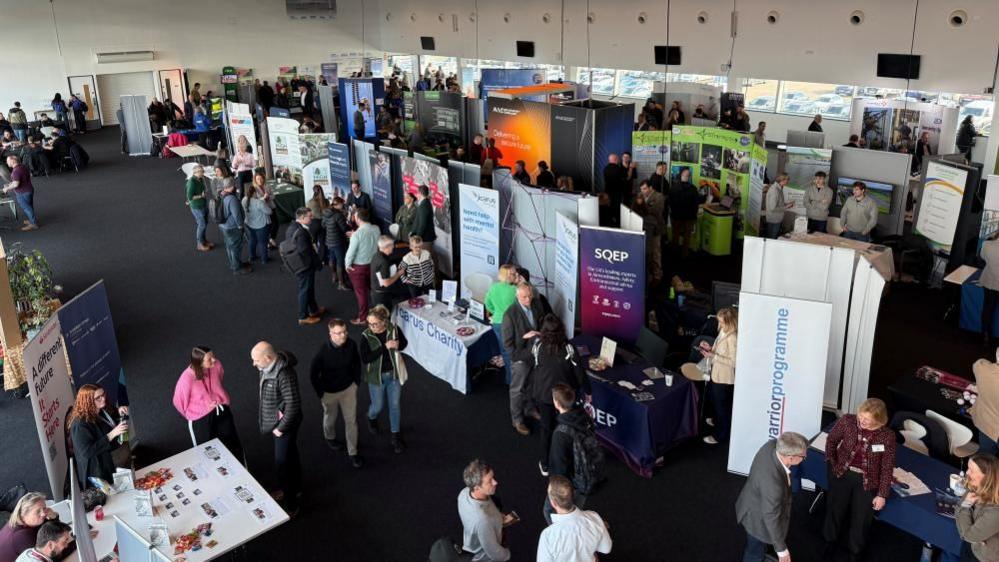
[503,78]
[612,282]
[339,156]
[381,188]
[91,345]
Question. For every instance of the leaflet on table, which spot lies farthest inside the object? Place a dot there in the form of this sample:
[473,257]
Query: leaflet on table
[449,291]
[911,485]
[243,494]
[820,441]
[193,473]
[215,508]
[262,513]
[608,348]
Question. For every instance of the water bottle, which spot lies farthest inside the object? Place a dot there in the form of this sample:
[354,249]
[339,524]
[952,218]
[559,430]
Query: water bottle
[123,438]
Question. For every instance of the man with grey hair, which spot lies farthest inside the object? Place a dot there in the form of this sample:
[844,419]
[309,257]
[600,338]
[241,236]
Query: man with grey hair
[481,519]
[385,274]
[764,505]
[280,415]
[232,231]
[521,323]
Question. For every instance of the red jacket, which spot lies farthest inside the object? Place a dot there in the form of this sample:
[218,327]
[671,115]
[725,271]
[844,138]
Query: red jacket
[879,466]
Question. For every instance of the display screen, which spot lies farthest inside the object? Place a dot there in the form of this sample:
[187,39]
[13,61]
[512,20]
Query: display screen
[880,192]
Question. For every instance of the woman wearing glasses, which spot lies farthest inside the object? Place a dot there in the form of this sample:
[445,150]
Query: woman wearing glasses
[384,370]
[95,430]
[860,451]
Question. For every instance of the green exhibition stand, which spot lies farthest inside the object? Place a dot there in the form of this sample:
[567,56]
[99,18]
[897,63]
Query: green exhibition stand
[715,230]
[287,199]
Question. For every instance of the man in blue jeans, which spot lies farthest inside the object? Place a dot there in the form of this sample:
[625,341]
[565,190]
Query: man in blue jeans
[232,230]
[24,192]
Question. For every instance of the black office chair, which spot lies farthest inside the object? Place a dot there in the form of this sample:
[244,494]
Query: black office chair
[653,348]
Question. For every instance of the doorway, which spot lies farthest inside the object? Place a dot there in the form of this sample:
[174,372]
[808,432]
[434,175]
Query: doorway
[171,84]
[86,89]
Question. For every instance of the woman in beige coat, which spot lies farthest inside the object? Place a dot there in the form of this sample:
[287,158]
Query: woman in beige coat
[720,361]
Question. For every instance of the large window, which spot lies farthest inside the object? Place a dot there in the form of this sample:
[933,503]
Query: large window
[832,101]
[979,107]
[473,68]
[403,63]
[637,84]
[449,65]
[602,80]
[761,95]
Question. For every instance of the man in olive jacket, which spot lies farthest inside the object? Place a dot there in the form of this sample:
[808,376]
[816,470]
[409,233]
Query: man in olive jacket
[280,414]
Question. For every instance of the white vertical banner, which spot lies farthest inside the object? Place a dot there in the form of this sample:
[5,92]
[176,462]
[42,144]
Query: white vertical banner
[241,130]
[780,372]
[480,230]
[566,271]
[51,397]
[285,150]
[84,542]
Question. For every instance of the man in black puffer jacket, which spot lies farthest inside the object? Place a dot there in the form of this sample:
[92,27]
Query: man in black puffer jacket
[280,414]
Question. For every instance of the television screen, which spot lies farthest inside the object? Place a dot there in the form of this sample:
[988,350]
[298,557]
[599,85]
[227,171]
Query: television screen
[880,192]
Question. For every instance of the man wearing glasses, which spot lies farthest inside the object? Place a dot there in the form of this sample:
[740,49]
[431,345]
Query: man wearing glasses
[764,505]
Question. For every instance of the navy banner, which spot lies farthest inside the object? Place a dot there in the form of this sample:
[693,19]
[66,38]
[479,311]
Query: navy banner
[91,345]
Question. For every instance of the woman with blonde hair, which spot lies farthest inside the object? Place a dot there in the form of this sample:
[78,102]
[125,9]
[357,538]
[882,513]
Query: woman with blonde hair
[978,514]
[499,297]
[860,452]
[719,367]
[318,203]
[95,429]
[384,370]
[258,220]
[21,530]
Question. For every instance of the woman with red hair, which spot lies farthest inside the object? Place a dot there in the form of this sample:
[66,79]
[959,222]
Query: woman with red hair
[93,428]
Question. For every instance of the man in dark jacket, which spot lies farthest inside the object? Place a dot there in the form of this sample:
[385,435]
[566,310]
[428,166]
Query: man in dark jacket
[816,125]
[357,199]
[335,373]
[562,460]
[280,415]
[309,312]
[335,225]
[684,201]
[265,95]
[615,185]
[423,223]
[232,230]
[521,322]
[359,125]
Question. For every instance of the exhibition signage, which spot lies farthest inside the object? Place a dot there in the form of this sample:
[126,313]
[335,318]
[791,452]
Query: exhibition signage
[566,271]
[91,344]
[381,188]
[479,212]
[339,158]
[801,166]
[241,129]
[647,149]
[612,282]
[438,350]
[492,79]
[522,130]
[285,150]
[781,361]
[355,91]
[416,172]
[315,162]
[940,204]
[329,72]
[440,112]
[51,398]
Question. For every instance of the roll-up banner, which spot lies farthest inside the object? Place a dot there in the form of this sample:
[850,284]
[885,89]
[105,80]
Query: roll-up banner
[51,398]
[315,162]
[522,130]
[91,344]
[286,154]
[781,363]
[339,158]
[941,203]
[612,282]
[566,271]
[381,188]
[480,229]
[417,172]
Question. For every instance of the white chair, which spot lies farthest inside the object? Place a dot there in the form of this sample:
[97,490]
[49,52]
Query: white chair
[913,434]
[478,284]
[188,169]
[394,230]
[959,437]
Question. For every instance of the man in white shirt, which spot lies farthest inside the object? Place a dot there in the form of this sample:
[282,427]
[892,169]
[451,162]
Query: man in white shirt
[574,535]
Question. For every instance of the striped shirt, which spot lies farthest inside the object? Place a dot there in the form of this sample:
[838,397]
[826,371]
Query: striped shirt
[419,269]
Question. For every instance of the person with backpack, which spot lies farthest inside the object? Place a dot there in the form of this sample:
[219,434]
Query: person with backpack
[298,252]
[59,107]
[575,451]
[197,201]
[229,214]
[18,122]
[554,361]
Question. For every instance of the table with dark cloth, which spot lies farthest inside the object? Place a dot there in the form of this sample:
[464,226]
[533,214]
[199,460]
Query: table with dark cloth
[972,301]
[287,199]
[912,394]
[916,515]
[639,433]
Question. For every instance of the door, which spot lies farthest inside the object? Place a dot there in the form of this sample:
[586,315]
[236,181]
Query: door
[113,86]
[86,89]
[172,86]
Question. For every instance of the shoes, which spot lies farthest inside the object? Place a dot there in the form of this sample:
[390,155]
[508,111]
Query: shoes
[319,313]
[535,414]
[308,320]
[357,322]
[334,444]
[209,244]
[203,247]
[243,270]
[398,445]
[342,287]
[29,227]
[710,440]
[522,429]
[543,469]
[709,421]
[356,461]
[373,426]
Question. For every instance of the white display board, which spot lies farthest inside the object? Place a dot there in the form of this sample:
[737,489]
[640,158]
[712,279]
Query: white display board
[940,204]
[534,215]
[566,271]
[51,390]
[992,193]
[630,220]
[780,361]
[868,286]
[478,209]
[285,150]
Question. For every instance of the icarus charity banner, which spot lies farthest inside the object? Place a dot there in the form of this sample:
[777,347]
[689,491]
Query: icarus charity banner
[781,362]
[480,229]
[51,397]
[612,282]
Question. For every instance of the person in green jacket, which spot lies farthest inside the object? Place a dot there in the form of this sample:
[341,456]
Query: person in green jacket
[198,202]
[499,297]
[384,370]
[406,216]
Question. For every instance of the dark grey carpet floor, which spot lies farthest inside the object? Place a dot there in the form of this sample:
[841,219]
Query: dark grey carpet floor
[124,220]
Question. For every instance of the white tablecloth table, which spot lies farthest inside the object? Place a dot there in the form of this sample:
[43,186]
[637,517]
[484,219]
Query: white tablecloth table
[433,342]
[191,151]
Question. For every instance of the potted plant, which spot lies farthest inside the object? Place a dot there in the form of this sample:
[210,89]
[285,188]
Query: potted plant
[31,286]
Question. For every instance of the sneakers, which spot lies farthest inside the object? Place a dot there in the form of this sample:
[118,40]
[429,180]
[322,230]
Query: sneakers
[28,227]
[243,270]
[522,429]
[203,247]
[356,461]
[398,445]
[334,444]
[373,426]
[709,421]
[710,440]
[308,320]
[543,469]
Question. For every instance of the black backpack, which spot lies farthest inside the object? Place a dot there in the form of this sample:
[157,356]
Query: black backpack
[216,209]
[447,550]
[79,156]
[587,459]
[288,251]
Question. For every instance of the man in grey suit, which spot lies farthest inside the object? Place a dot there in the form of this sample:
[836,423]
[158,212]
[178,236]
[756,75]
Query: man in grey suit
[520,328]
[764,505]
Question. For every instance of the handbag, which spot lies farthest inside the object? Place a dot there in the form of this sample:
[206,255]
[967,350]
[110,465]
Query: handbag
[400,366]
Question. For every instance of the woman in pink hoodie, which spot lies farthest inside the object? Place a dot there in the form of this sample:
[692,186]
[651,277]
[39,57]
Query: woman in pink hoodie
[204,403]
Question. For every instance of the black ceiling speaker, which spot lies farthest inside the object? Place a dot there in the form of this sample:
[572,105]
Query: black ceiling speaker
[427,43]
[525,48]
[898,66]
[667,54]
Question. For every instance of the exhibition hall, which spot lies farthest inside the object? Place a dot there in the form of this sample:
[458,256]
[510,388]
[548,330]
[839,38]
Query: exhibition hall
[550,280]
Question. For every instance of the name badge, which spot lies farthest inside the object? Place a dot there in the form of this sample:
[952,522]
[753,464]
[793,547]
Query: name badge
[877,448]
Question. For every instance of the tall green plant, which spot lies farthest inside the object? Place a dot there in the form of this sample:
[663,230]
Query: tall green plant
[31,286]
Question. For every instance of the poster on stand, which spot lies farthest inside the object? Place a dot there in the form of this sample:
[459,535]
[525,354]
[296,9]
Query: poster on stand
[381,189]
[286,154]
[241,131]
[940,204]
[781,362]
[416,172]
[329,71]
[355,92]
[339,161]
[91,344]
[315,162]
[441,113]
[758,170]
[522,130]
[566,271]
[612,282]
[648,148]
[480,228]
[51,398]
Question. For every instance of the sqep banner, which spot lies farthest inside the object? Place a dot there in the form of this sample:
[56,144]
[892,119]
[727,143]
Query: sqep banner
[781,361]
[612,282]
[51,397]
[480,230]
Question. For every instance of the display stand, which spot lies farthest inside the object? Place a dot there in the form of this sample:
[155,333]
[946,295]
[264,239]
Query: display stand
[715,228]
